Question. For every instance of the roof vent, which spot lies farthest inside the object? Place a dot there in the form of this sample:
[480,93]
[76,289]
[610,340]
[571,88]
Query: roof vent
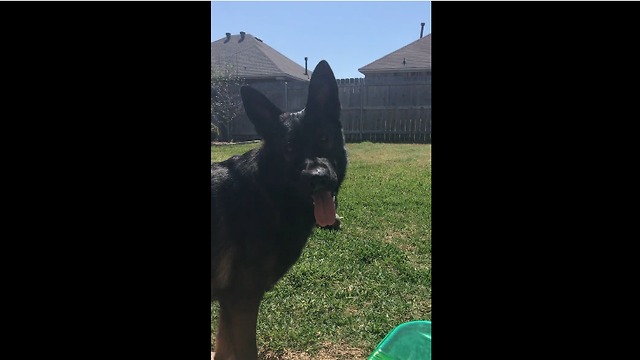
[242,35]
[228,37]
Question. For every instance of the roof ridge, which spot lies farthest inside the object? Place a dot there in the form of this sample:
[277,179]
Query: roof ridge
[278,65]
[396,52]
[265,58]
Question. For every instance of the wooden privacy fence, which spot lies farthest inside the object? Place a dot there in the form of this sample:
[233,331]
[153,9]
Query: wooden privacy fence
[386,109]
[389,109]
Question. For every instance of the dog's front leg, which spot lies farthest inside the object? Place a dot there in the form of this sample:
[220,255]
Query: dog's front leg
[236,335]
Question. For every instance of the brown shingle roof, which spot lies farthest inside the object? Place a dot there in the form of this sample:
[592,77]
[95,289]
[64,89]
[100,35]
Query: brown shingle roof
[417,57]
[253,59]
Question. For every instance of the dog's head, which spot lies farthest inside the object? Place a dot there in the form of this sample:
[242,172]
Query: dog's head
[303,151]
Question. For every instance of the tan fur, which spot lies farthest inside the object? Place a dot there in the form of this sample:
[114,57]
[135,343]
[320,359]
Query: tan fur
[224,266]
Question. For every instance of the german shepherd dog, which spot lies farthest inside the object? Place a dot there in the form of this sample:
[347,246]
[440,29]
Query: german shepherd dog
[266,202]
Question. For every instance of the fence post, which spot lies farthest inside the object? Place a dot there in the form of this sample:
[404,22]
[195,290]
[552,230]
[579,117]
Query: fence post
[363,93]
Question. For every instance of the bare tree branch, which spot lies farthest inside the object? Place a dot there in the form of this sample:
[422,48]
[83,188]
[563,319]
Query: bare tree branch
[226,102]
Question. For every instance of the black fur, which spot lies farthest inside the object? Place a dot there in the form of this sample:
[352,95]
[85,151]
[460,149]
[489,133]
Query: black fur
[262,211]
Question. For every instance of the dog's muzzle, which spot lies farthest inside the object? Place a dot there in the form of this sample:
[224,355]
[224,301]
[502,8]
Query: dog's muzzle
[321,182]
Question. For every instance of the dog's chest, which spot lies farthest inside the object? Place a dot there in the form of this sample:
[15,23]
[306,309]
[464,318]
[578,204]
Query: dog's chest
[285,255]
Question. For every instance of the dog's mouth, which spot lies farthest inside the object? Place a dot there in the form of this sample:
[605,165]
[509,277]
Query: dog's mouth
[324,208]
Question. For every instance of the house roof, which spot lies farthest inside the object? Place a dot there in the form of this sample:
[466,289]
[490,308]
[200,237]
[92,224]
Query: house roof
[413,57]
[253,59]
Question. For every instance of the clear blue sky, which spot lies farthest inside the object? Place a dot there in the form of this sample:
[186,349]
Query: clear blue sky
[349,35]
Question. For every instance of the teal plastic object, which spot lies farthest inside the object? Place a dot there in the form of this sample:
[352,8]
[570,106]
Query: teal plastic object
[407,341]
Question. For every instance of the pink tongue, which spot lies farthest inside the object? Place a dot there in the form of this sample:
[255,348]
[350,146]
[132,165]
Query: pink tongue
[324,208]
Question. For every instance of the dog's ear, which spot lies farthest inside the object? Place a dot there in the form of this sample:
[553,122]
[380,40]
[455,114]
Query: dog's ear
[323,92]
[264,115]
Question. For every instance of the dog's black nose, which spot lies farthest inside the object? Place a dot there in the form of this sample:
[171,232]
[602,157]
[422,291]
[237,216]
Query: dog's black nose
[317,178]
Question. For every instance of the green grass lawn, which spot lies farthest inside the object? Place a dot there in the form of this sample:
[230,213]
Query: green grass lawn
[351,287]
